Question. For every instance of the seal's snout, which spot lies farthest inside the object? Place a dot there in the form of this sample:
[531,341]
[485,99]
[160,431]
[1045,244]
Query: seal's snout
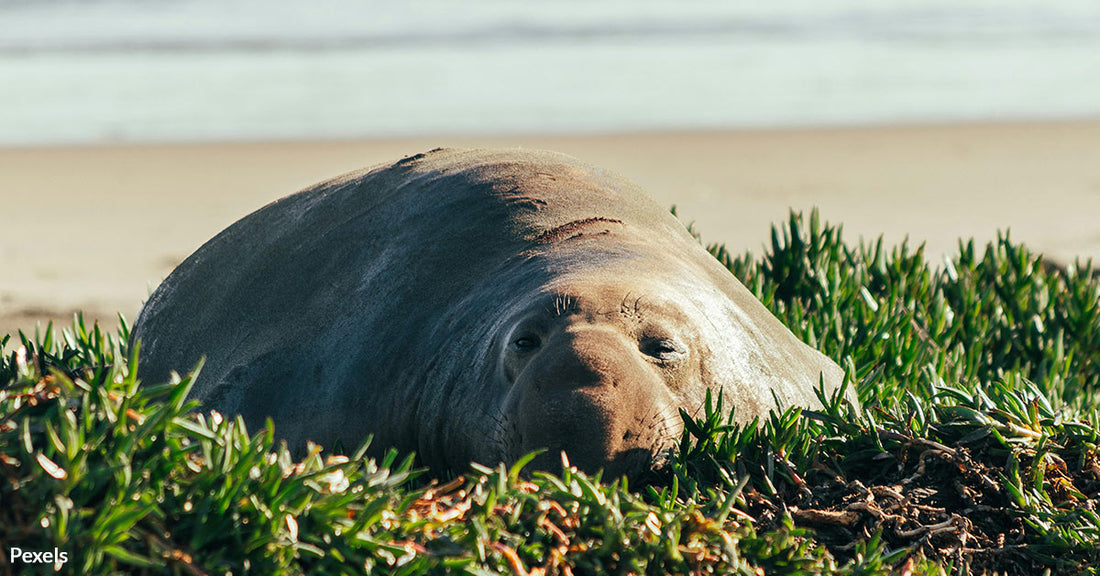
[589,359]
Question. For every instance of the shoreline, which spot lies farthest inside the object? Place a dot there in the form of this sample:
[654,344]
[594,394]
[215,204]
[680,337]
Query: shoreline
[97,228]
[1069,122]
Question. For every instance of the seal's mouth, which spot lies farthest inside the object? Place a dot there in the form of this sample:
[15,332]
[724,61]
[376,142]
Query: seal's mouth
[634,463]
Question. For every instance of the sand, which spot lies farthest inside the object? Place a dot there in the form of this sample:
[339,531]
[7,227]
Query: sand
[97,228]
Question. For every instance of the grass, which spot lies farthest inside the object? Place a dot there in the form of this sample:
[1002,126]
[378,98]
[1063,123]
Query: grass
[976,450]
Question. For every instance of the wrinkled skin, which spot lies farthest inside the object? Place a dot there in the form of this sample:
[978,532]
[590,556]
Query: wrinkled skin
[473,305]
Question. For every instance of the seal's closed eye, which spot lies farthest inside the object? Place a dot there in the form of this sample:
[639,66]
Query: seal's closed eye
[661,348]
[526,343]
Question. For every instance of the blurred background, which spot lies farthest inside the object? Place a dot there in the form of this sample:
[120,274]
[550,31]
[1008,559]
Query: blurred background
[131,131]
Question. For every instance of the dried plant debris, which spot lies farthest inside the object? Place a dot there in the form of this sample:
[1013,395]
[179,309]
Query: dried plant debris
[975,451]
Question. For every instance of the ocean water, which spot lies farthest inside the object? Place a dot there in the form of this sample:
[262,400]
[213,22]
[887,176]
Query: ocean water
[99,71]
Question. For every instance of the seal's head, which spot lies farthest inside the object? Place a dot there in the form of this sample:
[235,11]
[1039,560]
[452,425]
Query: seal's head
[600,359]
[596,370]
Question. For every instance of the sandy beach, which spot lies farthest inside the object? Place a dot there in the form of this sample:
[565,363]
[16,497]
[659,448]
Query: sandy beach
[97,228]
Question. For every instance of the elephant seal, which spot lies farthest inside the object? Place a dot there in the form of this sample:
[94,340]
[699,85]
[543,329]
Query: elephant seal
[473,305]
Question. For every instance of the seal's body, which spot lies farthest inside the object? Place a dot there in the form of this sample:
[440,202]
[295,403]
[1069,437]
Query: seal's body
[473,306]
